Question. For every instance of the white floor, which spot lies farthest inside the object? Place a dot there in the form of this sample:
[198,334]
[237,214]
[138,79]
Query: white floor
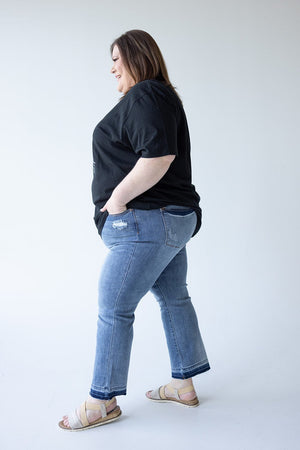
[240,409]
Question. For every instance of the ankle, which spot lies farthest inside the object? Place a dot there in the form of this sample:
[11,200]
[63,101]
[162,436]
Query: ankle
[97,400]
[181,383]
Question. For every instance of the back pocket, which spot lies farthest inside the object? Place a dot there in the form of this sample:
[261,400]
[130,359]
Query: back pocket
[179,223]
[178,210]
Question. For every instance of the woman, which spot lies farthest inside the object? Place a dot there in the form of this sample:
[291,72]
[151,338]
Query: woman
[146,210]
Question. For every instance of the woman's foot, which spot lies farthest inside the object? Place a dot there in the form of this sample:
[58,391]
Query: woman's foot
[178,384]
[91,414]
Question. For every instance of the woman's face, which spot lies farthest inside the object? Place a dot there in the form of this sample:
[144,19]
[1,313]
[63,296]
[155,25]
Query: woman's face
[125,81]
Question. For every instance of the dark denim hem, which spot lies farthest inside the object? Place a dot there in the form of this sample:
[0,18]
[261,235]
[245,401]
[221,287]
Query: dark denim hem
[191,373]
[106,395]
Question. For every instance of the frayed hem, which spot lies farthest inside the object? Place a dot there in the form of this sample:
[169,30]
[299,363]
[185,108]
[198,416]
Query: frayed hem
[191,373]
[106,395]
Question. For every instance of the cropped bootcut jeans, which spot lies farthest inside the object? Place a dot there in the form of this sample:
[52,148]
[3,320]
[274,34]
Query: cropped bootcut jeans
[147,252]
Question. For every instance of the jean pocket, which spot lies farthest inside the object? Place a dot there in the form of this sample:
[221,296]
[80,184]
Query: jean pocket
[177,210]
[120,227]
[119,214]
[179,225]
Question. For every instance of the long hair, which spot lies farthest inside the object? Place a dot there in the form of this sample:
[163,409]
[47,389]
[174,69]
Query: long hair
[142,58]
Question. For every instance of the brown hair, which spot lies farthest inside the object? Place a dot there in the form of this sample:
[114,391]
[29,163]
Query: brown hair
[142,58]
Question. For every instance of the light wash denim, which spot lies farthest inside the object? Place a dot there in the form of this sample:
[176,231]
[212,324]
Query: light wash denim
[147,252]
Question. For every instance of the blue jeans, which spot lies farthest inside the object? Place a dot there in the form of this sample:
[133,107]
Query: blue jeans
[147,252]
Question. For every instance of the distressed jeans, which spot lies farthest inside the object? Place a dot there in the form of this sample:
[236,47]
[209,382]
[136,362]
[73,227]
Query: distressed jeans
[147,252]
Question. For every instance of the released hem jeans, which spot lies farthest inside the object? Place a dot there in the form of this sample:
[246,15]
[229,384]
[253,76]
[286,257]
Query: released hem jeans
[106,395]
[147,252]
[192,372]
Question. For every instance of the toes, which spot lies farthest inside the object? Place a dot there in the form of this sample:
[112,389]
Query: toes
[148,394]
[66,423]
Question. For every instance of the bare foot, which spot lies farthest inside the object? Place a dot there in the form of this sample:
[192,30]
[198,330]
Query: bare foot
[178,384]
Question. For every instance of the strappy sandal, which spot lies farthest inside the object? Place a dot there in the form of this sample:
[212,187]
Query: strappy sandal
[158,395]
[77,424]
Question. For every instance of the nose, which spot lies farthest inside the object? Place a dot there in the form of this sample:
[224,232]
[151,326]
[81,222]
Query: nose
[112,69]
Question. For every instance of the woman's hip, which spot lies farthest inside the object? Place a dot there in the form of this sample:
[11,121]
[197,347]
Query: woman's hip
[171,225]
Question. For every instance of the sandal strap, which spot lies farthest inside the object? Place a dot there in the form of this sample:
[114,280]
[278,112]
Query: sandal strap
[155,393]
[95,407]
[74,421]
[159,393]
[186,389]
[162,392]
[83,416]
[174,391]
[178,392]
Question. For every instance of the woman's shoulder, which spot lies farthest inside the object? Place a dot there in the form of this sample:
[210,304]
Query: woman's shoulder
[141,88]
[154,90]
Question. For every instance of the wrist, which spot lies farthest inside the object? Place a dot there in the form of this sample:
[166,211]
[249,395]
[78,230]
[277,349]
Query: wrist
[117,199]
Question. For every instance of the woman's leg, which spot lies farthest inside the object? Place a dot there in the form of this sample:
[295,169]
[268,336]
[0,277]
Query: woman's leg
[142,244]
[186,349]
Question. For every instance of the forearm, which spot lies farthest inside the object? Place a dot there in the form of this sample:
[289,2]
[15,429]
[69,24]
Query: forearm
[145,174]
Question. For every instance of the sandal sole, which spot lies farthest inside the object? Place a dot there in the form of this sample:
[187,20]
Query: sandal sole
[187,405]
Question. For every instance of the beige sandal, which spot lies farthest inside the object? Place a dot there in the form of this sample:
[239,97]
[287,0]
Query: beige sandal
[82,423]
[158,395]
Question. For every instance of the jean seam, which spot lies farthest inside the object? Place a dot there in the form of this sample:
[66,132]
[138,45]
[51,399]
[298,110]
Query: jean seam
[115,307]
[171,322]
[165,228]
[135,220]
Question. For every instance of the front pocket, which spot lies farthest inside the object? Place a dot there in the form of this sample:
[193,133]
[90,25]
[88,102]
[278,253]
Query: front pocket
[120,214]
[120,227]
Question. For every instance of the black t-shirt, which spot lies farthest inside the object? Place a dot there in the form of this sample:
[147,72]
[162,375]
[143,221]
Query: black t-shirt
[148,122]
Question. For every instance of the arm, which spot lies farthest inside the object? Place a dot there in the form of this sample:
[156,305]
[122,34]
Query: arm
[145,174]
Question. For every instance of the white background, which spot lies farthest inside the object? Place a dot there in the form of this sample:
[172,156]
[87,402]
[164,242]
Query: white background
[236,66]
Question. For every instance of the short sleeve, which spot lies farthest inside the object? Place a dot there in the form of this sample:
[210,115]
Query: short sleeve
[151,127]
